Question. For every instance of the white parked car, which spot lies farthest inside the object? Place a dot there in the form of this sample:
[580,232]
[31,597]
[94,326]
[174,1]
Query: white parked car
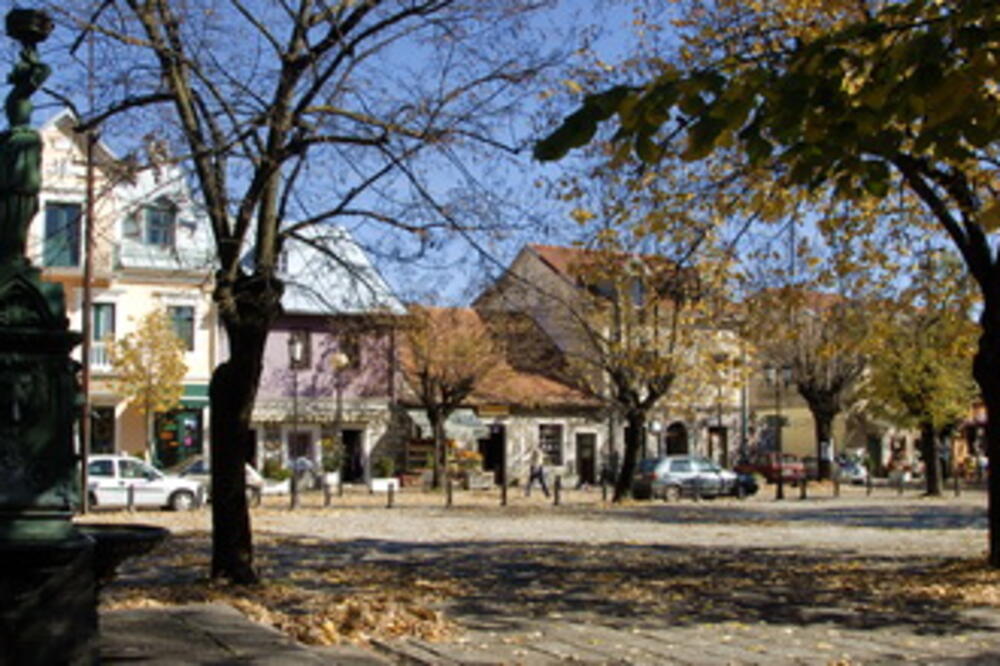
[109,478]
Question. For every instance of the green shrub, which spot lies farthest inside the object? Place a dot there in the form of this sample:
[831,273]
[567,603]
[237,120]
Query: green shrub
[384,467]
[273,470]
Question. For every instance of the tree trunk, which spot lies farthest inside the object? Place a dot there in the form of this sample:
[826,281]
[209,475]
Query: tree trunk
[437,427]
[932,464]
[824,407]
[232,392]
[636,422]
[984,367]
[823,423]
[150,440]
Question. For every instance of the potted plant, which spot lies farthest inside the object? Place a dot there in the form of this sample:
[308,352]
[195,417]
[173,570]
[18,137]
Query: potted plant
[332,460]
[383,469]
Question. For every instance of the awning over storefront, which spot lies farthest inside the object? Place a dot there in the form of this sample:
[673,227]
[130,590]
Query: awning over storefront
[195,396]
[462,424]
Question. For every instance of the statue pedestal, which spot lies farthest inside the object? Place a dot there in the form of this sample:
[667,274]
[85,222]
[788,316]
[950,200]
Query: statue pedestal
[49,610]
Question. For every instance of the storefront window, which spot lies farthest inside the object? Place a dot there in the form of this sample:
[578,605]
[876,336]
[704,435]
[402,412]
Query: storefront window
[102,430]
[178,436]
[550,439]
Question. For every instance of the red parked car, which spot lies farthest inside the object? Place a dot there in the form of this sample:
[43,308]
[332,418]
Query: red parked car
[766,464]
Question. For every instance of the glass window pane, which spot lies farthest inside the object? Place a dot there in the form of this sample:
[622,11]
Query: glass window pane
[160,221]
[62,235]
[101,468]
[102,432]
[182,317]
[550,436]
[103,321]
[130,469]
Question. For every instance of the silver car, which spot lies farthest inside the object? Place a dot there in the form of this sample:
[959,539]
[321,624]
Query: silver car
[670,477]
[115,481]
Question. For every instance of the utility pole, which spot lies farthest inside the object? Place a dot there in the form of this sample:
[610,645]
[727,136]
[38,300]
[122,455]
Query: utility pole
[87,305]
[87,324]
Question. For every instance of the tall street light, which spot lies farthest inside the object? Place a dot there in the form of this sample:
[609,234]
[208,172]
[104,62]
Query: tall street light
[294,360]
[339,361]
[779,377]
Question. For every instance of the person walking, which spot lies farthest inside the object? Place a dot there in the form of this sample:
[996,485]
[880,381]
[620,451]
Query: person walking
[536,470]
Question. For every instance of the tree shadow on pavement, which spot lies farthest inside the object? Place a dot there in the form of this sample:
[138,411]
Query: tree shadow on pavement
[882,516]
[512,586]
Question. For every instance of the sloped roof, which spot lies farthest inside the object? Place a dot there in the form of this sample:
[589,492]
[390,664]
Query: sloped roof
[193,249]
[327,272]
[525,377]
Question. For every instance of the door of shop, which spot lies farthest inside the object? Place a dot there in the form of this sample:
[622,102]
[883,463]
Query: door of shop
[493,449]
[354,469]
[586,457]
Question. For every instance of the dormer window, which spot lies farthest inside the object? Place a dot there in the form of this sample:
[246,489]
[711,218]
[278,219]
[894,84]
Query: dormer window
[161,221]
[153,224]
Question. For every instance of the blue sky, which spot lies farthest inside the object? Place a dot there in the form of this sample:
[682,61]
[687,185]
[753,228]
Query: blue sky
[457,267]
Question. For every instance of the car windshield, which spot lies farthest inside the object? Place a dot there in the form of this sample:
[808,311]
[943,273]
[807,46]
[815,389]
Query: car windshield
[648,465]
[703,465]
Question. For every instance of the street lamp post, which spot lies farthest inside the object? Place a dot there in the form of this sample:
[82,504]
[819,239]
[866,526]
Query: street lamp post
[779,377]
[294,359]
[339,361]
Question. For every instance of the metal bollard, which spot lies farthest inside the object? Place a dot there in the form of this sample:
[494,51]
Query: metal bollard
[958,485]
[447,489]
[836,485]
[340,486]
[868,484]
[294,500]
[130,497]
[389,495]
[604,491]
[327,494]
[503,494]
[803,484]
[899,487]
[556,490]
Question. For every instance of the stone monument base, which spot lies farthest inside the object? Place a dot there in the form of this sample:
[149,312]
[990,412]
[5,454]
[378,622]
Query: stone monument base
[49,609]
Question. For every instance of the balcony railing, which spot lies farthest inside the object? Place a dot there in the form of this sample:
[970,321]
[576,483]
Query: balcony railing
[99,357]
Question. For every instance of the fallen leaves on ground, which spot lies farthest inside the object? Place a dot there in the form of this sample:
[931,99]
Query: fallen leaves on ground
[326,591]
[319,605]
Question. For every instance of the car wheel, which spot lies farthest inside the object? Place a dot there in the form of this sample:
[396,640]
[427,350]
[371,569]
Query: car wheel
[182,500]
[671,493]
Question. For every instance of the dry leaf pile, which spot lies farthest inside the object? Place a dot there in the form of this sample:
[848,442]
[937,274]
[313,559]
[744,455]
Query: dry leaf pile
[318,603]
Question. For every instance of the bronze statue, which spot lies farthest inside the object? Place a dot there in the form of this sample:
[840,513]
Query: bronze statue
[20,146]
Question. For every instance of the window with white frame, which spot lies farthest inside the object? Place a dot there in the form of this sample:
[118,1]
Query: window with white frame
[550,441]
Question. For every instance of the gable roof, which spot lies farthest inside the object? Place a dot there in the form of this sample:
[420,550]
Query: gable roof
[527,375]
[134,189]
[327,272]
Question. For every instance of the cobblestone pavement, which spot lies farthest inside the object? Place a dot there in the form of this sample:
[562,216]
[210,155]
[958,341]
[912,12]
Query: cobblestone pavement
[535,574]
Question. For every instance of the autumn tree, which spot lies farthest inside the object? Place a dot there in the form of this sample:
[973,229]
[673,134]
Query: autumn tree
[447,354]
[815,319]
[820,337]
[633,327]
[847,99]
[148,366]
[920,372]
[297,113]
